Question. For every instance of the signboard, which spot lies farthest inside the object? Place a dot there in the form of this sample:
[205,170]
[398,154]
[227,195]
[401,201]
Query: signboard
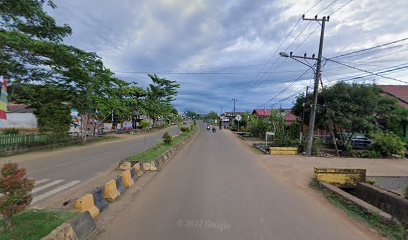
[270,133]
[238,118]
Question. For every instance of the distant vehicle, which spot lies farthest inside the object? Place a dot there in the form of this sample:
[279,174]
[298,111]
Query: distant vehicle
[358,141]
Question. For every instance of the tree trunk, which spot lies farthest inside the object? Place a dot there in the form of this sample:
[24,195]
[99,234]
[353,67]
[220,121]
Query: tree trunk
[144,147]
[334,138]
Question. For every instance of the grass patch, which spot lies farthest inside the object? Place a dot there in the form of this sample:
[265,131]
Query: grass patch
[34,224]
[393,230]
[160,148]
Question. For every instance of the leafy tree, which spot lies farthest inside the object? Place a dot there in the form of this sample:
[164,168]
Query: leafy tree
[212,116]
[160,95]
[15,191]
[351,108]
[387,143]
[30,40]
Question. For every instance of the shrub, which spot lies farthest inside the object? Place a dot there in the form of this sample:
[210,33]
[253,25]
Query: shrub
[387,144]
[15,190]
[167,139]
[185,129]
[11,131]
[371,180]
[242,129]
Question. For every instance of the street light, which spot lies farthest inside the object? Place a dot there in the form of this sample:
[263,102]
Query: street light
[317,77]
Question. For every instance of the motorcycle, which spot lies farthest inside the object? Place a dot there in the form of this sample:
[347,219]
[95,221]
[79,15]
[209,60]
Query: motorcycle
[214,130]
[208,128]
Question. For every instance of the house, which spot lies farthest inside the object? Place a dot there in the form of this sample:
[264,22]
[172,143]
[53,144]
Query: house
[400,92]
[20,116]
[288,117]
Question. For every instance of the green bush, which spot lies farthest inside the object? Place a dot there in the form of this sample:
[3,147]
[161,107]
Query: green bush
[11,131]
[371,181]
[185,129]
[242,128]
[387,144]
[167,139]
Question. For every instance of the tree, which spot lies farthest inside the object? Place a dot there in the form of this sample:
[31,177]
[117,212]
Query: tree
[350,108]
[15,191]
[160,95]
[30,40]
[145,124]
[212,116]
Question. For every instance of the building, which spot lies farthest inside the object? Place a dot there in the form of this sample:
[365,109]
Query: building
[288,117]
[20,116]
[400,92]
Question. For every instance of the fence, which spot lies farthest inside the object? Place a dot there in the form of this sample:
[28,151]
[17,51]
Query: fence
[10,143]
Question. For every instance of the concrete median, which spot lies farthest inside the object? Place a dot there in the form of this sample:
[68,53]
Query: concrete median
[86,203]
[110,192]
[99,200]
[127,180]
[133,174]
[119,184]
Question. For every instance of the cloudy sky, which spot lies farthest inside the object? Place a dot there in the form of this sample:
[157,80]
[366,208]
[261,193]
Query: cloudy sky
[219,51]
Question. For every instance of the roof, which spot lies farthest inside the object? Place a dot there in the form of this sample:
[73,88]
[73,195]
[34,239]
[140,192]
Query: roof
[290,117]
[398,91]
[18,108]
[287,116]
[262,112]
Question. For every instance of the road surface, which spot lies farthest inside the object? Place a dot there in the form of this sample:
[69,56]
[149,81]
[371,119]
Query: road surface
[217,189]
[58,171]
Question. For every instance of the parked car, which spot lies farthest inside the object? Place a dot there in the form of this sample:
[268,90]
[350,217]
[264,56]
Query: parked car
[358,141]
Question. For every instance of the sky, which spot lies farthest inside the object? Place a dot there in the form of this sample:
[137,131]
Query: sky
[220,51]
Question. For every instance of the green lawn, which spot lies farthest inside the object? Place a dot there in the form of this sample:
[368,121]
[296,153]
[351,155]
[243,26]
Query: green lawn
[34,224]
[160,148]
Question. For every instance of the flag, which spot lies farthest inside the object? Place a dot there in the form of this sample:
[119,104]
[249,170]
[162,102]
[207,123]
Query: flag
[3,104]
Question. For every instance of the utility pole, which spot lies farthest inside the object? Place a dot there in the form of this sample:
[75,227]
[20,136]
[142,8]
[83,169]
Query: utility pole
[234,99]
[322,22]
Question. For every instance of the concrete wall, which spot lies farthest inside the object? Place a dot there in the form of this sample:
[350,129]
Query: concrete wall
[388,202]
[21,120]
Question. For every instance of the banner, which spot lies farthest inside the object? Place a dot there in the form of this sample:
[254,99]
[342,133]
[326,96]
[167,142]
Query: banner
[3,104]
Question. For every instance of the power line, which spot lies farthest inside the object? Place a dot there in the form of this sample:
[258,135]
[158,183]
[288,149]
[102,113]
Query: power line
[372,73]
[287,87]
[370,48]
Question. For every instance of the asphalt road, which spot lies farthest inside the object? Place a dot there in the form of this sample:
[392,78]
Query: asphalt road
[217,189]
[58,171]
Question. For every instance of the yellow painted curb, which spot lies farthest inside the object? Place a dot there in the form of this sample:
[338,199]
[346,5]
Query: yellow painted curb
[276,152]
[127,179]
[340,177]
[86,203]
[110,192]
[284,148]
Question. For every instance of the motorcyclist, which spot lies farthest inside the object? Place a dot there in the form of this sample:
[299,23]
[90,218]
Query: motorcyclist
[213,129]
[208,127]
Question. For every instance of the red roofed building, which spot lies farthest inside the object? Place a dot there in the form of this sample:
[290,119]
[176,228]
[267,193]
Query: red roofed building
[288,117]
[400,92]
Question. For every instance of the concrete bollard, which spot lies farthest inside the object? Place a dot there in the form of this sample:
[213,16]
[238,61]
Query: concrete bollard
[137,166]
[146,166]
[133,174]
[127,180]
[153,166]
[110,192]
[119,184]
[99,201]
[125,166]
[86,203]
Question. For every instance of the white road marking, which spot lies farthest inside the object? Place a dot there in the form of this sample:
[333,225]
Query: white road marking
[54,191]
[46,186]
[38,182]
